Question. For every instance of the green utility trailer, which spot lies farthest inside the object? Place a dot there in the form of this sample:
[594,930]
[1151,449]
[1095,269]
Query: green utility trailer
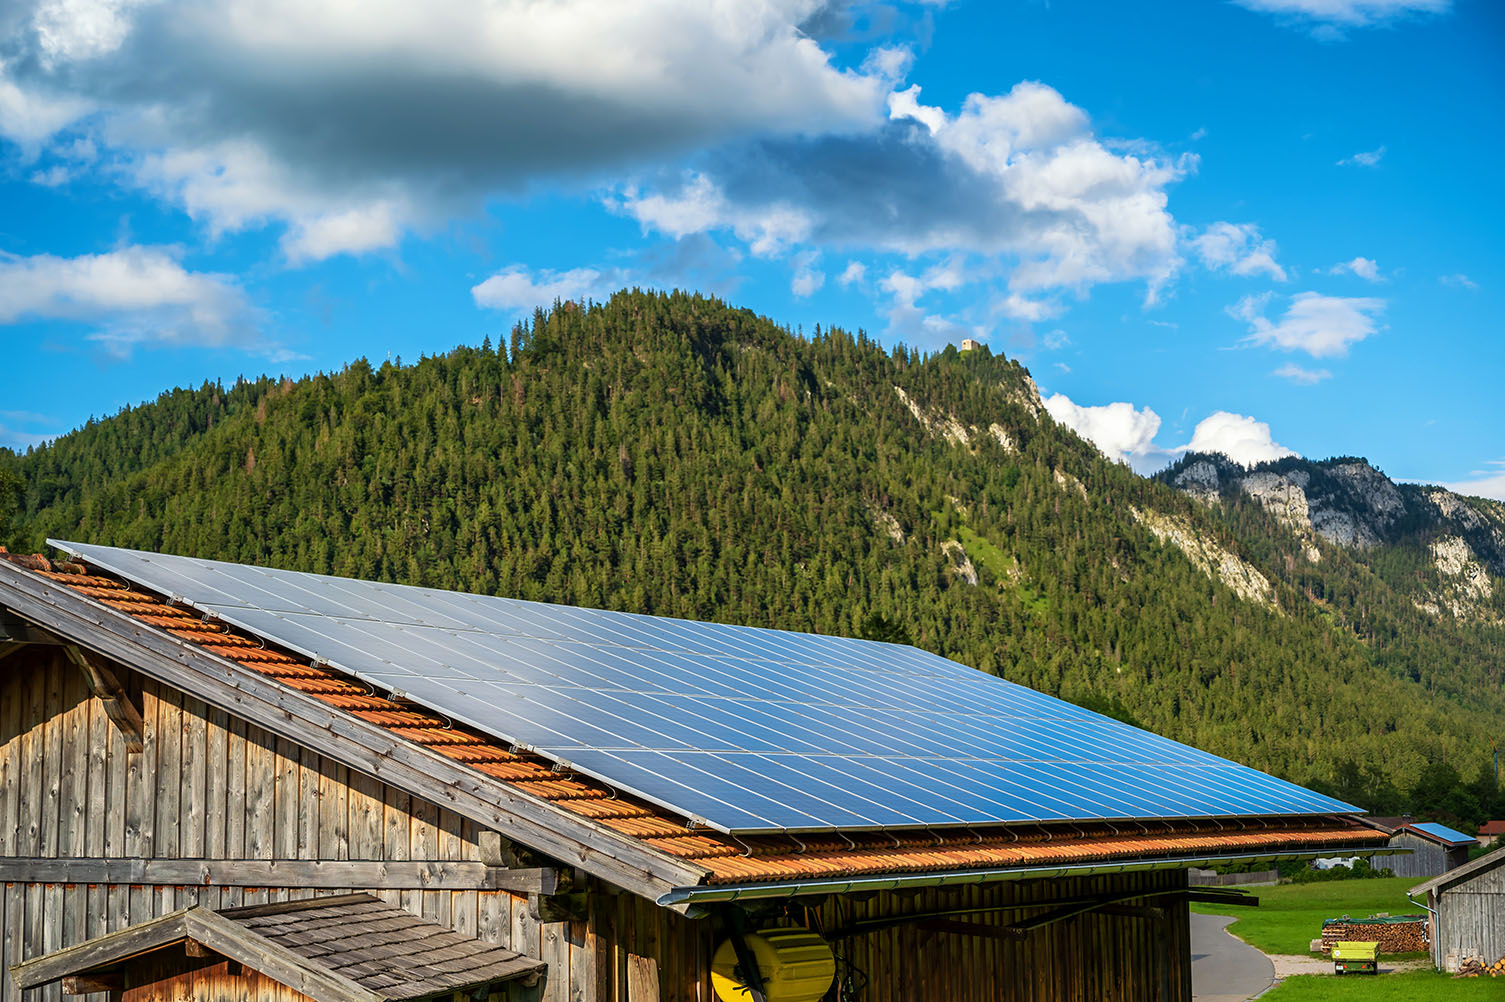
[1361,958]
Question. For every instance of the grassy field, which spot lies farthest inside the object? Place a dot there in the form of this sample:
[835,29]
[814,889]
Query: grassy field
[1290,916]
[1428,985]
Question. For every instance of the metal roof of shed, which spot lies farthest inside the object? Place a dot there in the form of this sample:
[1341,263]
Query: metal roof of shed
[1440,833]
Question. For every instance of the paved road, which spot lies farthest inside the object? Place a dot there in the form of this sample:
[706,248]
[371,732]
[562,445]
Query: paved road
[1224,969]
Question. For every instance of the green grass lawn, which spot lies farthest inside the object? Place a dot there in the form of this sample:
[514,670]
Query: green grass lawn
[1409,987]
[1289,916]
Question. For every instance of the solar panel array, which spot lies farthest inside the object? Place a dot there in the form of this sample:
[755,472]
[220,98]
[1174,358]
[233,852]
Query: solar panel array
[741,729]
[1443,832]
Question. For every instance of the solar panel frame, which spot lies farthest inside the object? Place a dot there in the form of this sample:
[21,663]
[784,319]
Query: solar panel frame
[742,729]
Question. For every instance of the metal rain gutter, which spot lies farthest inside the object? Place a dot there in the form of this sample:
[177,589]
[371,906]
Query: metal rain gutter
[1434,925]
[857,885]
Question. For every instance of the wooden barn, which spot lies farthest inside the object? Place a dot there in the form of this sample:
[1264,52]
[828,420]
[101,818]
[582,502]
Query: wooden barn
[1466,912]
[212,785]
[1422,848]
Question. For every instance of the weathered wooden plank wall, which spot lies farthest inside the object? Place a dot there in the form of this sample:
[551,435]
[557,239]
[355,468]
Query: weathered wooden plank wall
[1120,957]
[207,785]
[1098,956]
[1471,920]
[171,976]
[204,786]
[1427,859]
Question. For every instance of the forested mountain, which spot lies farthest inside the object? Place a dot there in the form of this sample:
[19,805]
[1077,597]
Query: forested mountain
[669,454]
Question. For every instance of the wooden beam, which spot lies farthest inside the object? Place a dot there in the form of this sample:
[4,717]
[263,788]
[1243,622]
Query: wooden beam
[883,922]
[979,929]
[98,952]
[1222,897]
[105,686]
[296,905]
[19,630]
[368,748]
[416,875]
[1133,911]
[88,984]
[642,979]
[953,919]
[1109,900]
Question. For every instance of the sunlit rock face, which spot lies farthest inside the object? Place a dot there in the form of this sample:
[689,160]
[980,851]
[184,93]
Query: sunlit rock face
[1349,504]
[1210,558]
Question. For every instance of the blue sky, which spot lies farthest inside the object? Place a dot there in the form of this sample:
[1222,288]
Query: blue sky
[1262,226]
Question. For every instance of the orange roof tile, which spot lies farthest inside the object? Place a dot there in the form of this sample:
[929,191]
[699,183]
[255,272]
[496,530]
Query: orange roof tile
[724,858]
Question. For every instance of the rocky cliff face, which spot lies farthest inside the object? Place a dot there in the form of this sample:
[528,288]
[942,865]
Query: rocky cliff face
[1346,502]
[1350,504]
[1465,588]
[1209,557]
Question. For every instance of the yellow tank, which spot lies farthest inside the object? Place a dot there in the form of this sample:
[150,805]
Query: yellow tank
[795,963]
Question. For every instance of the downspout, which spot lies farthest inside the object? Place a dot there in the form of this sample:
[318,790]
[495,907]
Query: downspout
[1436,929]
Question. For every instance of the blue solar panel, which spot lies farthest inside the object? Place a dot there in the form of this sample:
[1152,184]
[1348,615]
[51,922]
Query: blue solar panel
[1443,832]
[742,729]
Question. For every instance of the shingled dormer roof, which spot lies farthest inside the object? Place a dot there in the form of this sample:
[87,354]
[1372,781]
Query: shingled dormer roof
[350,948]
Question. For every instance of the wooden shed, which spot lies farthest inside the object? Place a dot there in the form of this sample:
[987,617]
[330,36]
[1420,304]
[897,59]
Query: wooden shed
[1422,848]
[162,771]
[1466,912]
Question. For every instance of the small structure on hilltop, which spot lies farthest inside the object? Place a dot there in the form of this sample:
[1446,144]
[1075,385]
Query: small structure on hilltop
[970,344]
[1466,913]
[1433,848]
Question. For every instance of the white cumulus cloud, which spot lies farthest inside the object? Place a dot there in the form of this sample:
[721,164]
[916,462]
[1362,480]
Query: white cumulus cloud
[1017,307]
[1301,375]
[518,288]
[131,296]
[906,288]
[1242,439]
[30,115]
[1018,179]
[1365,268]
[807,278]
[1239,248]
[1336,14]
[854,272]
[348,123]
[1488,483]
[1322,326]
[1369,158]
[1125,433]
[1119,430]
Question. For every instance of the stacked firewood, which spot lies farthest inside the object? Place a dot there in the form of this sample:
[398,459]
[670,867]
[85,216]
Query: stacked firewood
[1475,967]
[1391,935]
